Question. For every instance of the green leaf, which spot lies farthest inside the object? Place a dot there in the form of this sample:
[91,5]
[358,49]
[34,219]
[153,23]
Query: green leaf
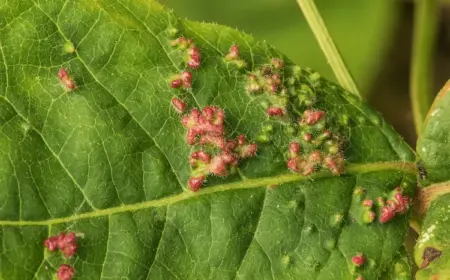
[108,160]
[433,246]
[432,152]
[282,24]
[400,268]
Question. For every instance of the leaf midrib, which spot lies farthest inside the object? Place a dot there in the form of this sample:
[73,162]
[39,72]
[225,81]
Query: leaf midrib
[351,169]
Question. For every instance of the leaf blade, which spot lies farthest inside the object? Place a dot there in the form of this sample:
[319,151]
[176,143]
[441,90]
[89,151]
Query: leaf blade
[117,139]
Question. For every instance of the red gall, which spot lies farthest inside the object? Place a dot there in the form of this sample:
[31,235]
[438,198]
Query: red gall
[178,104]
[65,272]
[358,259]
[195,183]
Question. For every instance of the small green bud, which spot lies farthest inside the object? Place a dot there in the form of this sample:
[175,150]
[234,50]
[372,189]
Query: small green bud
[69,47]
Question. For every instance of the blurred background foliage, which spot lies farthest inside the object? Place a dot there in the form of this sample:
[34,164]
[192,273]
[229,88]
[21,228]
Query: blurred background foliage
[374,37]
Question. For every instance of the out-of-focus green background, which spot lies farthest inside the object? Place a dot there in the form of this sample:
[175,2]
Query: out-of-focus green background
[374,37]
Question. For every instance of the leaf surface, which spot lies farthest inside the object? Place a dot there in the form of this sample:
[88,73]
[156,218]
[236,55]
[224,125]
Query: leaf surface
[400,268]
[109,161]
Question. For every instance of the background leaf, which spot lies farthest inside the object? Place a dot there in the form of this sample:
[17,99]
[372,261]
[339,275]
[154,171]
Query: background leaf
[109,160]
[433,247]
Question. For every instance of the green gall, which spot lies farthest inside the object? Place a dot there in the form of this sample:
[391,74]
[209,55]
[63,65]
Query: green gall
[262,138]
[268,128]
[172,32]
[69,47]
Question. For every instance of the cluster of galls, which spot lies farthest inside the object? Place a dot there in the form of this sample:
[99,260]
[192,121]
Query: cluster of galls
[268,79]
[206,129]
[233,57]
[397,203]
[192,58]
[65,243]
[362,208]
[302,80]
[320,148]
[65,79]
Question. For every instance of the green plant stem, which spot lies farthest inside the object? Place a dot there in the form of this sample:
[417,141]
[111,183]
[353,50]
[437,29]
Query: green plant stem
[424,41]
[327,45]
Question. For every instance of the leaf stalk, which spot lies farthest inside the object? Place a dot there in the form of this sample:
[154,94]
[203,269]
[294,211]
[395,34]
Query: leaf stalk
[327,45]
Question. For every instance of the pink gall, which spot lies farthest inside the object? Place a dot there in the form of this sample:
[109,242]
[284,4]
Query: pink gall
[276,79]
[277,63]
[273,88]
[314,157]
[292,164]
[367,203]
[233,53]
[333,165]
[213,140]
[51,243]
[213,115]
[230,145]
[176,83]
[186,77]
[194,62]
[402,202]
[308,170]
[191,120]
[200,155]
[219,163]
[294,148]
[194,57]
[241,139]
[275,112]
[69,250]
[66,243]
[229,158]
[194,51]
[62,73]
[178,104]
[218,166]
[387,214]
[65,79]
[195,183]
[307,137]
[312,117]
[65,272]
[371,216]
[248,150]
[358,259]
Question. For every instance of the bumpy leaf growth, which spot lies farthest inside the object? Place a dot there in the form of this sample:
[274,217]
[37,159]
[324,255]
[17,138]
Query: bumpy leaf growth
[137,145]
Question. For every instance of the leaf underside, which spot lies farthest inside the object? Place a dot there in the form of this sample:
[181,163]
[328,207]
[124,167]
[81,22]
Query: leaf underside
[109,160]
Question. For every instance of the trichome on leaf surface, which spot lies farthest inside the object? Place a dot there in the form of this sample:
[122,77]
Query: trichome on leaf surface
[136,145]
